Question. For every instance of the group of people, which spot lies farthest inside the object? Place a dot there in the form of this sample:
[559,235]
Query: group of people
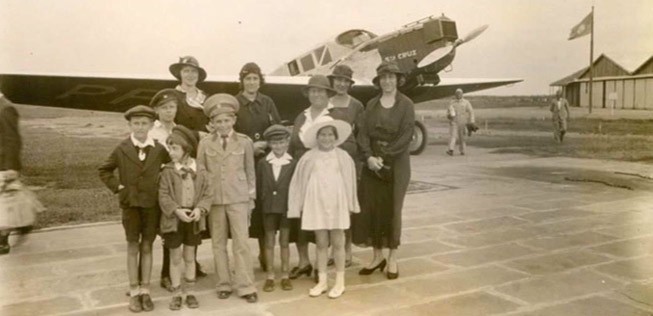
[231,170]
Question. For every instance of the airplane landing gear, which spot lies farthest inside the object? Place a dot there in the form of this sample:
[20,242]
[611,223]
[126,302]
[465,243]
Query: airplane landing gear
[420,138]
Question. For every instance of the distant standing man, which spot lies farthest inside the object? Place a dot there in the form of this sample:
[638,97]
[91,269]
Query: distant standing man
[559,114]
[460,113]
[10,146]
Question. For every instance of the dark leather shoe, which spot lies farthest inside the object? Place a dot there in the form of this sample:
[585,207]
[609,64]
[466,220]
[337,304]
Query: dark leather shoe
[392,275]
[175,303]
[146,302]
[166,283]
[286,285]
[269,285]
[198,270]
[368,271]
[135,304]
[191,301]
[251,298]
[223,295]
[296,272]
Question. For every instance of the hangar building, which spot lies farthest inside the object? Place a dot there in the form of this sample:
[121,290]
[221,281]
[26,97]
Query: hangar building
[612,84]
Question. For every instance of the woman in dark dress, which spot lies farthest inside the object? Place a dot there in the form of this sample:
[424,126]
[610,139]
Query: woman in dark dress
[384,137]
[349,109]
[257,112]
[190,113]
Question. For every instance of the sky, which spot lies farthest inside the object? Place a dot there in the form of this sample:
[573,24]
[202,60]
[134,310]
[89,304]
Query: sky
[525,39]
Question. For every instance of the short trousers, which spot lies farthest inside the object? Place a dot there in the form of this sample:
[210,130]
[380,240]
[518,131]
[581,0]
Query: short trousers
[140,224]
[272,222]
[184,235]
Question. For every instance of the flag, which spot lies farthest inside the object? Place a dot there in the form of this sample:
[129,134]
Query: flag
[583,28]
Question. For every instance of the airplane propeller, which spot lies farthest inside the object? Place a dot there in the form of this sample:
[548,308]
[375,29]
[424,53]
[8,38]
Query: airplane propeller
[439,53]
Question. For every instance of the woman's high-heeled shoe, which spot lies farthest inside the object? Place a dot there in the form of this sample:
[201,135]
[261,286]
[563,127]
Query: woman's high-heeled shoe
[392,275]
[296,272]
[368,271]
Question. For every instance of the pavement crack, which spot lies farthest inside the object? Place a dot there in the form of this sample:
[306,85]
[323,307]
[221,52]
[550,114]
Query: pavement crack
[620,186]
[635,300]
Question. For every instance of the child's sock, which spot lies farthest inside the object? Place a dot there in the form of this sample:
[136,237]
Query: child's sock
[188,287]
[145,289]
[134,290]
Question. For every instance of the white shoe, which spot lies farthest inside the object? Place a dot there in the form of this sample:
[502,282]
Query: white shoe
[318,289]
[336,292]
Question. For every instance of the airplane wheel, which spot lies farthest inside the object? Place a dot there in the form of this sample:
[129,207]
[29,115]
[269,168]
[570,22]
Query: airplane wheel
[418,144]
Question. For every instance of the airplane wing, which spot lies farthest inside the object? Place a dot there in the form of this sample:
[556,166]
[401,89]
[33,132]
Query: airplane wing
[101,92]
[447,87]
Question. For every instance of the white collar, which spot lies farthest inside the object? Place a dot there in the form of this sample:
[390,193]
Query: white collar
[324,112]
[148,142]
[274,160]
[191,164]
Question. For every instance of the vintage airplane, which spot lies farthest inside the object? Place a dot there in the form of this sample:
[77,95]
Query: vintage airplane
[422,49]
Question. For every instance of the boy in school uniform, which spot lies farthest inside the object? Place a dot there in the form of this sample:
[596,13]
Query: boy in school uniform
[273,174]
[138,160]
[229,158]
[185,199]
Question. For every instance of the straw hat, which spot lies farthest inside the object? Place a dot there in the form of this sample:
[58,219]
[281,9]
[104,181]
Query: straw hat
[343,129]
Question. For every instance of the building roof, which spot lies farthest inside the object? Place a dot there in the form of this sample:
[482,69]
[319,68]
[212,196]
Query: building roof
[618,68]
[568,79]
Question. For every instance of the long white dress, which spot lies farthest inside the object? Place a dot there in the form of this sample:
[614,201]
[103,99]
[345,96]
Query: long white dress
[325,200]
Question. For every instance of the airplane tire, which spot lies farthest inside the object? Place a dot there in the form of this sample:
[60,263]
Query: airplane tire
[420,139]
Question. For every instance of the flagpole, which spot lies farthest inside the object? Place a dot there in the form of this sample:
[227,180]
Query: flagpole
[591,59]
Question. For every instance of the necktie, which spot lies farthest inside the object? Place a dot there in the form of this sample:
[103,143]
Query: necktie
[224,141]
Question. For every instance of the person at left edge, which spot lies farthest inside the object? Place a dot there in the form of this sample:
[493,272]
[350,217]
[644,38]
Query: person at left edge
[190,112]
[257,112]
[138,160]
[229,158]
[10,147]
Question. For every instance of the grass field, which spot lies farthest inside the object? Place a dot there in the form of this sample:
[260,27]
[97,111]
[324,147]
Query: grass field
[63,166]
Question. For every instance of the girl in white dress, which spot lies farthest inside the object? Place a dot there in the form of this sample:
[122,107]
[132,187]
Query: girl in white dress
[323,187]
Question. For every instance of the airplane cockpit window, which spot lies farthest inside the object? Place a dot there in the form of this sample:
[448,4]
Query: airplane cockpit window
[307,62]
[327,57]
[353,38]
[293,68]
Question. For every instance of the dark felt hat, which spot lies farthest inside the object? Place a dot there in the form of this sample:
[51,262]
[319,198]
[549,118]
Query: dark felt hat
[321,82]
[389,67]
[250,68]
[186,135]
[221,103]
[140,110]
[342,71]
[175,68]
[164,96]
[276,130]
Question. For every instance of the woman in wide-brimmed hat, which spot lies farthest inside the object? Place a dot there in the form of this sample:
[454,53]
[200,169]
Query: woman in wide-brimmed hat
[257,112]
[189,73]
[384,138]
[318,91]
[349,109]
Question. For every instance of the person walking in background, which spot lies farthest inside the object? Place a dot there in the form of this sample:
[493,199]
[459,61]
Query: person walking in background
[460,113]
[559,115]
[138,160]
[229,158]
[323,191]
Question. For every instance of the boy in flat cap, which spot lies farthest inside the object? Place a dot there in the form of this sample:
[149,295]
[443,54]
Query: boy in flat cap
[229,158]
[138,160]
[185,199]
[164,103]
[273,174]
